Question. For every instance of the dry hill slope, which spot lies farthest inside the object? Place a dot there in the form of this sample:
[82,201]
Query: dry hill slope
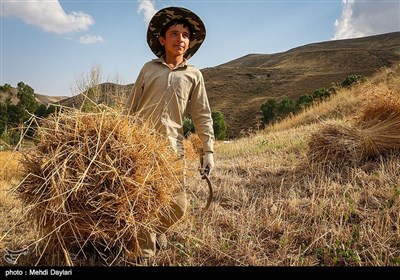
[41,98]
[46,99]
[239,87]
[108,93]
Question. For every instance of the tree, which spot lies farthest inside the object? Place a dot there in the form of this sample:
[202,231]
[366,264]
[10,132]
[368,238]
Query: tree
[304,101]
[27,103]
[14,116]
[322,93]
[268,110]
[43,110]
[285,107]
[352,79]
[6,88]
[219,125]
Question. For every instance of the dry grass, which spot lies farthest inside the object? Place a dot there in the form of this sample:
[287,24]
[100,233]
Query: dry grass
[15,233]
[9,165]
[336,144]
[272,207]
[94,182]
[374,132]
[193,148]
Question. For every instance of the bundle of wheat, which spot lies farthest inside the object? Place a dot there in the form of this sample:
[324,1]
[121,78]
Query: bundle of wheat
[376,131]
[95,180]
[335,144]
[193,147]
[380,106]
[379,119]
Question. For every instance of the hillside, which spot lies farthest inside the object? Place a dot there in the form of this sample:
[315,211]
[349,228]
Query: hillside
[252,79]
[108,93]
[272,206]
[239,87]
[41,98]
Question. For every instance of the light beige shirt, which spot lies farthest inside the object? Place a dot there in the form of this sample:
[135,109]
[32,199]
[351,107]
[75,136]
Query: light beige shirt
[162,96]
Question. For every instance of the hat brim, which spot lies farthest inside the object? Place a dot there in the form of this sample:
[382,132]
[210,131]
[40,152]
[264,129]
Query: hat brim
[162,17]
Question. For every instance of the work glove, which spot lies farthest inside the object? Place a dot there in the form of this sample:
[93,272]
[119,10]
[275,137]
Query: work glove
[207,163]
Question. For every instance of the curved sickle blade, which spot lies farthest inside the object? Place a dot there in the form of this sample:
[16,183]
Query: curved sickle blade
[210,194]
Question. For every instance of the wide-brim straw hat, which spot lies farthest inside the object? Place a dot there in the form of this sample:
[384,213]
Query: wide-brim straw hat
[163,16]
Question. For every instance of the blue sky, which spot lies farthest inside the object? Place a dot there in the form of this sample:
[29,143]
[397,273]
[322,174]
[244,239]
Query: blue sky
[50,45]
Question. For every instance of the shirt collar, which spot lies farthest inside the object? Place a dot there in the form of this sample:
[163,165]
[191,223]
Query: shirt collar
[184,63]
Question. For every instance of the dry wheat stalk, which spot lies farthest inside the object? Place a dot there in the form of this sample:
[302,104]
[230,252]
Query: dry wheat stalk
[97,179]
[376,131]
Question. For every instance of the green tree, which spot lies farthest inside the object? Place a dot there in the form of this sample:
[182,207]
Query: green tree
[219,125]
[11,136]
[6,88]
[268,110]
[350,80]
[14,116]
[322,93]
[304,101]
[27,103]
[43,110]
[4,118]
[285,107]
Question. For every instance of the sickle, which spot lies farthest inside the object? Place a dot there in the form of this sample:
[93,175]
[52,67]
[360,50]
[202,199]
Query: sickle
[210,193]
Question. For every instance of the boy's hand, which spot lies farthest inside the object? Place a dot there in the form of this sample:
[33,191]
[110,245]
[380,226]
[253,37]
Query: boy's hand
[207,163]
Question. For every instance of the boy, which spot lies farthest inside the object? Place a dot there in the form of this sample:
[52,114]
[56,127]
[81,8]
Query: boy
[163,90]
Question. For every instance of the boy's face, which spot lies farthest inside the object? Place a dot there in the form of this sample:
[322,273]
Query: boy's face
[176,41]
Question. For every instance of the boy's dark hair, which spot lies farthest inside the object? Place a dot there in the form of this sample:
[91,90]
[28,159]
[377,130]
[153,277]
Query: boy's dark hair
[177,21]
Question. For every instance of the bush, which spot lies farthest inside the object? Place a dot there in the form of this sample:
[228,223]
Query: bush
[268,110]
[304,101]
[352,79]
[285,107]
[219,125]
[321,93]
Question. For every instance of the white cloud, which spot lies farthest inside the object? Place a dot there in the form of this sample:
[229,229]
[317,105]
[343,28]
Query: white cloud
[365,18]
[47,15]
[147,8]
[90,39]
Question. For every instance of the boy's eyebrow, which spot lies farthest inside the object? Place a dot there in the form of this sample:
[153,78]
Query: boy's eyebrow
[174,30]
[173,27]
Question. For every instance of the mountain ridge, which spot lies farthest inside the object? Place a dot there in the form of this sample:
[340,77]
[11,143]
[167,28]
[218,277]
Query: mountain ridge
[254,78]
